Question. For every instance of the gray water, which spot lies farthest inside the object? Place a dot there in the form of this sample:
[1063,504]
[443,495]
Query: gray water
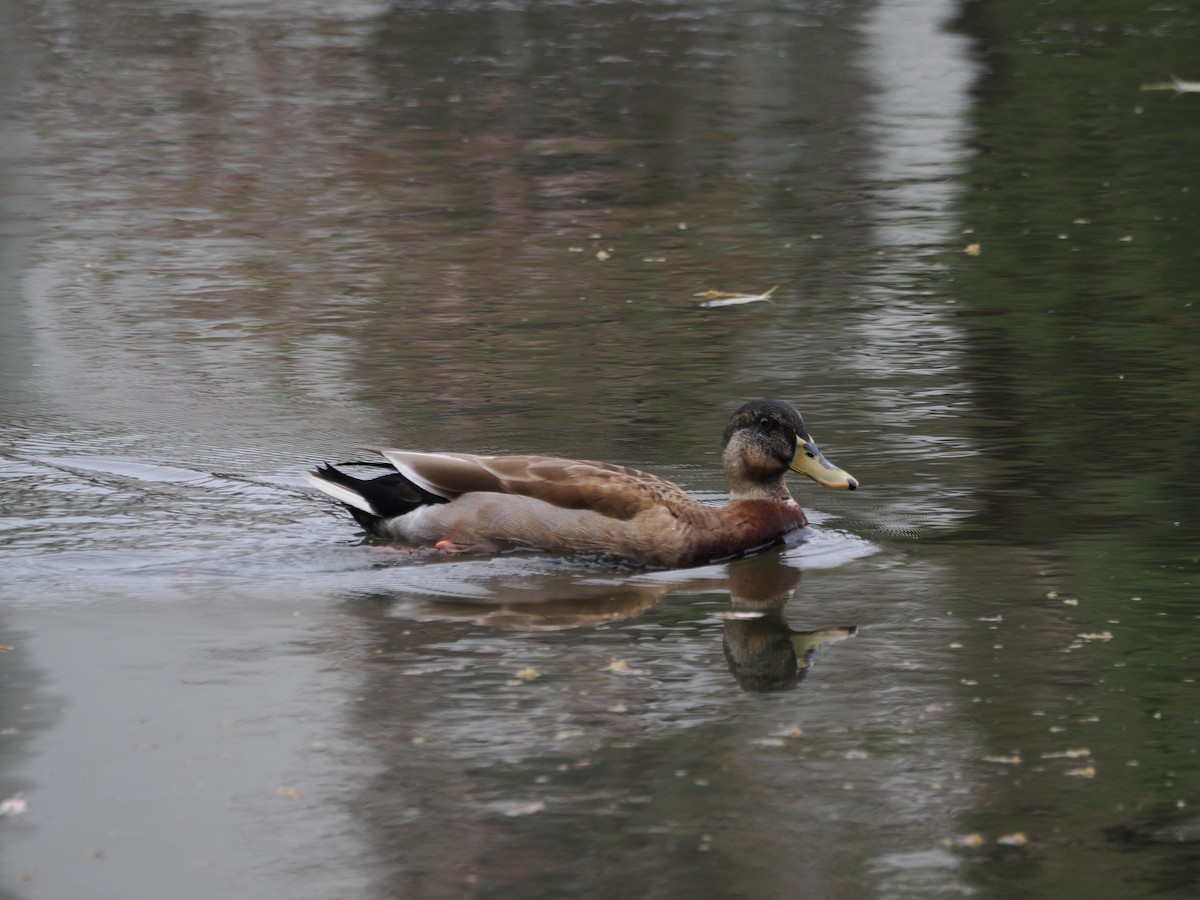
[242,238]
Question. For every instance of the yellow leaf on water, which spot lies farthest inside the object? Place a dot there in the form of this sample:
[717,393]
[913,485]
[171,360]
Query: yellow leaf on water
[1016,839]
[967,840]
[1014,760]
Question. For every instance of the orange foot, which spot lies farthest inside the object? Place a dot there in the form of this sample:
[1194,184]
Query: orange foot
[444,546]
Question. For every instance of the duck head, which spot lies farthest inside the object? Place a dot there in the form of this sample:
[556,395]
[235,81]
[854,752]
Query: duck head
[763,441]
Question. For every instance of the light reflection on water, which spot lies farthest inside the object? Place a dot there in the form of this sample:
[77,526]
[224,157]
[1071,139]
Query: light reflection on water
[265,235]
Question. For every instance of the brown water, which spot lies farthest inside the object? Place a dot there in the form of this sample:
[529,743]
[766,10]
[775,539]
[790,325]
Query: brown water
[242,238]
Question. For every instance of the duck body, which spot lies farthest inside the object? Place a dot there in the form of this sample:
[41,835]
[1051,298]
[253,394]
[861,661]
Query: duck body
[495,503]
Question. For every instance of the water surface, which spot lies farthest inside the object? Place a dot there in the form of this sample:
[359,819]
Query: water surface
[239,239]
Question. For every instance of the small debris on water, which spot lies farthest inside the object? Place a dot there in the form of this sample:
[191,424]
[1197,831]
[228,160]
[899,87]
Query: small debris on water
[529,673]
[1014,760]
[1084,772]
[14,806]
[1073,753]
[617,666]
[974,840]
[526,809]
[768,742]
[287,793]
[972,249]
[1016,839]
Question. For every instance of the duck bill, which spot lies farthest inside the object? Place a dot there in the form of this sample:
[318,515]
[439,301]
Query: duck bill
[811,462]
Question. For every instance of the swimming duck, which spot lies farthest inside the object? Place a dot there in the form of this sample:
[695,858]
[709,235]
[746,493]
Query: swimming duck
[462,502]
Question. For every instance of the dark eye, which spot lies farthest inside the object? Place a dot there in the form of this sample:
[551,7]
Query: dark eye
[764,422]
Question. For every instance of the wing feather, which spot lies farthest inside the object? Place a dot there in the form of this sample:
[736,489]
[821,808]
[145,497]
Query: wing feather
[616,491]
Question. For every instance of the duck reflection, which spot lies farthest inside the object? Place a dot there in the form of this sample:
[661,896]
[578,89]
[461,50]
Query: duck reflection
[763,652]
[547,603]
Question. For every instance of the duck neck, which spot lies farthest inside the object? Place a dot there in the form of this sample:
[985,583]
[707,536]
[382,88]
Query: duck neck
[771,491]
[746,485]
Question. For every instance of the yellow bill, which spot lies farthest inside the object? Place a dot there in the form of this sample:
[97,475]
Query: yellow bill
[810,461]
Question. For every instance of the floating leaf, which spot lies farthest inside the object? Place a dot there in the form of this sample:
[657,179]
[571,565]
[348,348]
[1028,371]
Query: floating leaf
[1014,760]
[1080,753]
[526,809]
[723,298]
[1178,85]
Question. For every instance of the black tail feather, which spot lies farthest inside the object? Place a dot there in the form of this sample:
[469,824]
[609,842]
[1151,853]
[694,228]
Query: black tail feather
[389,495]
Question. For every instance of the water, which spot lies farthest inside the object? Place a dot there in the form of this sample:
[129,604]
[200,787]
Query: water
[239,239]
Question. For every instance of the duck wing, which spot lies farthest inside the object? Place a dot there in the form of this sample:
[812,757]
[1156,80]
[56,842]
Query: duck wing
[616,491]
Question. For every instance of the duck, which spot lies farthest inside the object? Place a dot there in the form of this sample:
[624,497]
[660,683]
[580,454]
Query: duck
[466,503]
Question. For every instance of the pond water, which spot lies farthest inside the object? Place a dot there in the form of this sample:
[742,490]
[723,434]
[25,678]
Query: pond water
[242,238]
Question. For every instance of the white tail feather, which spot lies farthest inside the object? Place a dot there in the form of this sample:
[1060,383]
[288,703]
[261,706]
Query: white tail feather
[340,492]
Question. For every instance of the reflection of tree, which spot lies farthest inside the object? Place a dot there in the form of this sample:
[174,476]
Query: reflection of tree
[1084,358]
[1084,365]
[338,207]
